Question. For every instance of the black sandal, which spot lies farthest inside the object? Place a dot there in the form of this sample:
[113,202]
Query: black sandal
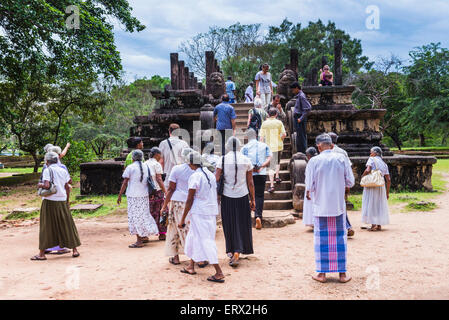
[134,245]
[187,272]
[214,279]
[203,265]
[172,261]
[38,258]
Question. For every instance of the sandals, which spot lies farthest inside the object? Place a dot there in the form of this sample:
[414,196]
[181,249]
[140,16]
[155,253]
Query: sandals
[214,279]
[76,255]
[172,261]
[203,265]
[64,251]
[38,258]
[278,180]
[271,189]
[233,263]
[135,245]
[187,272]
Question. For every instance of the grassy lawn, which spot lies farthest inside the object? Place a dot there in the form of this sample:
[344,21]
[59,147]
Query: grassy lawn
[19,170]
[410,199]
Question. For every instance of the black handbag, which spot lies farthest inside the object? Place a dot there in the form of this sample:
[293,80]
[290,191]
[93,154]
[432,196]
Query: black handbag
[151,186]
[220,185]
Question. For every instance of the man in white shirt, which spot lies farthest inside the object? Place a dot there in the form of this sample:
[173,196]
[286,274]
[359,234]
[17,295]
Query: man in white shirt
[249,93]
[171,149]
[337,149]
[327,176]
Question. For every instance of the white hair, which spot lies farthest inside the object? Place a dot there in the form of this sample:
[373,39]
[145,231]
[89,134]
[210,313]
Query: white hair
[258,103]
[51,157]
[185,154]
[233,141]
[323,138]
[55,149]
[251,134]
[47,147]
[137,155]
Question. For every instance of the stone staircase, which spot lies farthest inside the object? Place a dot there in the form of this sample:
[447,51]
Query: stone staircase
[281,199]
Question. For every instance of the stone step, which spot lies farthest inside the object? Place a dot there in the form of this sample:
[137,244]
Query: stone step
[275,219]
[278,195]
[284,185]
[277,205]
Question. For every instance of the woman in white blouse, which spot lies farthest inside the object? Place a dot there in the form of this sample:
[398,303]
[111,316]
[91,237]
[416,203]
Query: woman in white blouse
[374,200]
[202,206]
[236,206]
[140,221]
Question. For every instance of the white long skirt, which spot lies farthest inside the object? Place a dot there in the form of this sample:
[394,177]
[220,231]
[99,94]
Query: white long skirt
[307,211]
[200,241]
[140,221]
[375,206]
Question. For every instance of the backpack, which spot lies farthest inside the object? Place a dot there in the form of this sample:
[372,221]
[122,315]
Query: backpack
[256,120]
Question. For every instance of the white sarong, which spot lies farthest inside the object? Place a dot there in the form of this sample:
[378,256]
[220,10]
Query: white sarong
[200,241]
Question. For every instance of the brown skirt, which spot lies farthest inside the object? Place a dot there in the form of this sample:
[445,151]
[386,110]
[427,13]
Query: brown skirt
[57,227]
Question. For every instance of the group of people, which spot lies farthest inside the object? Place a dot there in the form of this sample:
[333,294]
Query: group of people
[178,193]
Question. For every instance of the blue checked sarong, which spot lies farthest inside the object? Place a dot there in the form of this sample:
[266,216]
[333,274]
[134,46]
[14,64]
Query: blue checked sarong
[330,237]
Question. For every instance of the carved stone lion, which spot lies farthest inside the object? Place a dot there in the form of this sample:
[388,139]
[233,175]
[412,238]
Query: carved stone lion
[286,78]
[217,84]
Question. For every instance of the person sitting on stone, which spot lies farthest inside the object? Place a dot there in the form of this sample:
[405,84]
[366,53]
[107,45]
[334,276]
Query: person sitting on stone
[326,76]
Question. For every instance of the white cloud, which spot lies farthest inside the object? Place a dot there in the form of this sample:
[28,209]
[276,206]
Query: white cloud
[404,24]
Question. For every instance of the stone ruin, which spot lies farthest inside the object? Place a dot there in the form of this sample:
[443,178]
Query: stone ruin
[186,99]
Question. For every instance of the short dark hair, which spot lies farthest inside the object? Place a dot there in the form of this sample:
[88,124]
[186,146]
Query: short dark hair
[334,137]
[229,77]
[311,151]
[225,97]
[136,141]
[276,96]
[173,127]
[295,85]
[272,112]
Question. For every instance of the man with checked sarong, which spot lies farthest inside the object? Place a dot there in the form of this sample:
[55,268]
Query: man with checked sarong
[327,176]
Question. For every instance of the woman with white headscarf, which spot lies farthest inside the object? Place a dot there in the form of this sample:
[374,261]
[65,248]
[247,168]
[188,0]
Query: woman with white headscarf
[374,199]
[56,225]
[175,199]
[236,206]
[135,181]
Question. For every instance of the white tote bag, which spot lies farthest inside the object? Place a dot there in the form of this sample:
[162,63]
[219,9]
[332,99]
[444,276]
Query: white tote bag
[373,179]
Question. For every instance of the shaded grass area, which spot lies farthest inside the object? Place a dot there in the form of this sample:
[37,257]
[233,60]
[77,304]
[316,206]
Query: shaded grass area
[109,205]
[413,199]
[421,148]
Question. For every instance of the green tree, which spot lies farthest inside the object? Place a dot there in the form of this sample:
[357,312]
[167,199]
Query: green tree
[40,57]
[427,87]
[383,87]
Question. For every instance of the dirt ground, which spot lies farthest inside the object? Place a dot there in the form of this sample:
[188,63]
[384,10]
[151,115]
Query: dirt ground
[407,260]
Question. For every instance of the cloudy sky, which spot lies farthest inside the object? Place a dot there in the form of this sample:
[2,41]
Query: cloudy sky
[403,24]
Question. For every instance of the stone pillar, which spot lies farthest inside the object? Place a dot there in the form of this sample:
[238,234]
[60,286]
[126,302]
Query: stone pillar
[323,61]
[174,70]
[181,67]
[314,77]
[186,78]
[338,75]
[210,60]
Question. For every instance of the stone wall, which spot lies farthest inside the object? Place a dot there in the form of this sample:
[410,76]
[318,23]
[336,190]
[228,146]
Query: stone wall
[406,172]
[102,177]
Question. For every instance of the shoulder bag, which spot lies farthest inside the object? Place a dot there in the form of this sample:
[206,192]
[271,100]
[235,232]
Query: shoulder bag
[52,190]
[373,179]
[151,186]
